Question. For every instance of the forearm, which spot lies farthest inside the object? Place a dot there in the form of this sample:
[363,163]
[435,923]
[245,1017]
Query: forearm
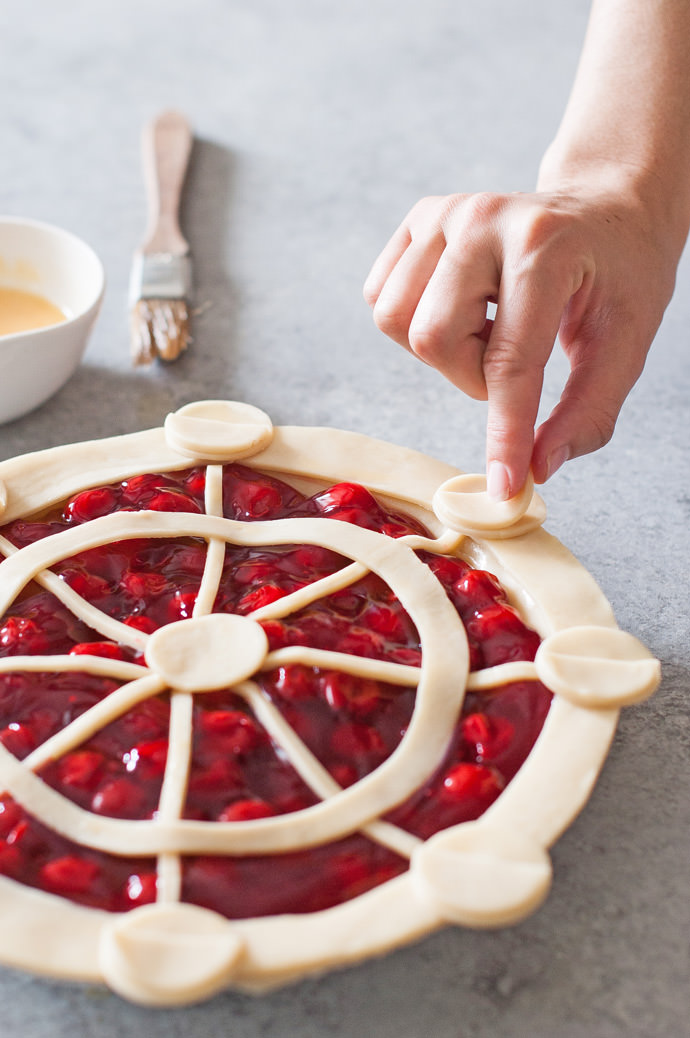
[627,123]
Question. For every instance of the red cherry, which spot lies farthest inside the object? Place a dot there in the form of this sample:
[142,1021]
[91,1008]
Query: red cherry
[252,500]
[137,487]
[119,798]
[231,730]
[359,642]
[140,623]
[191,560]
[253,571]
[81,768]
[22,636]
[358,696]
[352,739]
[276,633]
[351,872]
[10,860]
[110,650]
[18,739]
[195,483]
[295,682]
[149,720]
[88,585]
[245,810]
[470,782]
[445,568]
[10,815]
[490,736]
[141,585]
[407,656]
[141,888]
[344,774]
[502,635]
[221,774]
[172,501]
[346,495]
[259,597]
[91,504]
[69,875]
[478,589]
[147,758]
[312,559]
[181,605]
[396,528]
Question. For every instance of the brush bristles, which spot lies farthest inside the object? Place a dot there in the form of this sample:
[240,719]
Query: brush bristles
[160,328]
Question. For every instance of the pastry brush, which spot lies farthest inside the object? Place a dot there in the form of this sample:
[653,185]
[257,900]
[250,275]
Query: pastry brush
[160,281]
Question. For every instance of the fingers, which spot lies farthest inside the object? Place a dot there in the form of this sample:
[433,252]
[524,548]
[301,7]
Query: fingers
[429,289]
[398,298]
[380,272]
[529,312]
[449,327]
[421,233]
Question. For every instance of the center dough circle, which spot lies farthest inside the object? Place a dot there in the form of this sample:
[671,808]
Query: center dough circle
[208,652]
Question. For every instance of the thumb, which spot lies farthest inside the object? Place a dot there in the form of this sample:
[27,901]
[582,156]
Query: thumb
[584,419]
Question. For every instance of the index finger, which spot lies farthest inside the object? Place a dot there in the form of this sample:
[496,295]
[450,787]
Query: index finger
[525,327]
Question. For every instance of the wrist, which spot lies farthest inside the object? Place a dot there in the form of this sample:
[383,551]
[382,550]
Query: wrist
[659,202]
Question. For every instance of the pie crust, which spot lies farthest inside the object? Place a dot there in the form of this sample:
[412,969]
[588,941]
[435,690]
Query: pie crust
[489,871]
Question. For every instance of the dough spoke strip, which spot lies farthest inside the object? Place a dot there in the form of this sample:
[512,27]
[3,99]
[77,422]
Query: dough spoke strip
[174,789]
[102,666]
[314,774]
[94,719]
[308,767]
[502,674]
[311,593]
[347,663]
[215,550]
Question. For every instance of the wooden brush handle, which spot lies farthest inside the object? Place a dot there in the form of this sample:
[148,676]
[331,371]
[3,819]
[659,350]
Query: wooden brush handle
[166,147]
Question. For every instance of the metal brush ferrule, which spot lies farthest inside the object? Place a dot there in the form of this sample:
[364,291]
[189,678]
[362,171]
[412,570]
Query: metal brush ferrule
[160,276]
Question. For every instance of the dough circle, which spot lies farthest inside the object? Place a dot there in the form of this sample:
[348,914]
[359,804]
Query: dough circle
[207,652]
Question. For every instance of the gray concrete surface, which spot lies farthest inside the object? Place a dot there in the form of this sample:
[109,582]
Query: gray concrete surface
[318,125]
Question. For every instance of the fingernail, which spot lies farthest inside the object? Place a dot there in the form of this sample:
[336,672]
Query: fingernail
[498,481]
[555,459]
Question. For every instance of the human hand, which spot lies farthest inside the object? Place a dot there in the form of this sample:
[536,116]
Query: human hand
[588,267]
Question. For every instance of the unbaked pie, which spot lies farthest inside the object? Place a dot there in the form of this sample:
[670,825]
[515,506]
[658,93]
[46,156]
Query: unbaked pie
[273,700]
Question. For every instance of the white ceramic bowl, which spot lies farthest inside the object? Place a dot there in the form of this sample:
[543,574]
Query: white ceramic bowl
[53,263]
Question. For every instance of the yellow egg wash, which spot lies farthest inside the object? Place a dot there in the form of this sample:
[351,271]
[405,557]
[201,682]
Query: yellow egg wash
[22,311]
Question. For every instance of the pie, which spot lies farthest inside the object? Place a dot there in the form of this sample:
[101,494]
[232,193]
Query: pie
[275,700]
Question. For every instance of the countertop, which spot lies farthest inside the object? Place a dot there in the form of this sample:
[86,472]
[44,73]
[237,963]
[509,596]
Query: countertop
[317,126]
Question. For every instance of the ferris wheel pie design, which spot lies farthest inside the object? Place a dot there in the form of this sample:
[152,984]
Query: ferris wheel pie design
[258,725]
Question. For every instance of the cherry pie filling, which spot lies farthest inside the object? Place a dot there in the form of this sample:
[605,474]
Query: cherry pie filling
[350,724]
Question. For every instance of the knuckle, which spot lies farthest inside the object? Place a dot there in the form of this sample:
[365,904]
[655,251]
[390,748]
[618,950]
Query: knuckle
[428,212]
[426,340]
[601,416]
[506,361]
[544,238]
[475,210]
[371,294]
[598,425]
[596,420]
[603,423]
[390,317]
